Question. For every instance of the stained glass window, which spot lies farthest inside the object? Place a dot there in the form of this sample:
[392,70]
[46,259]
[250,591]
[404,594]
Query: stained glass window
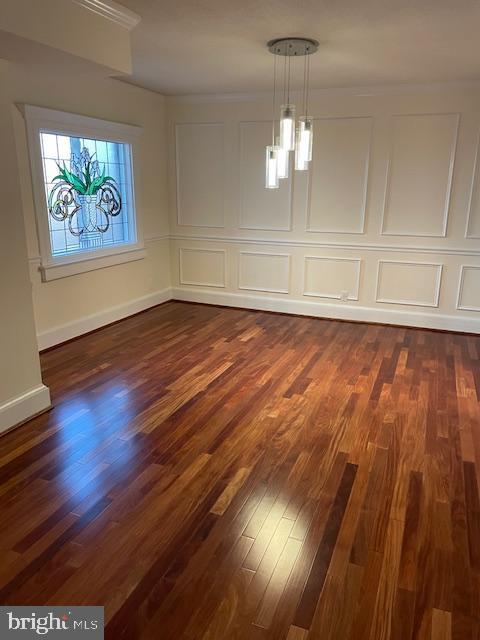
[89,193]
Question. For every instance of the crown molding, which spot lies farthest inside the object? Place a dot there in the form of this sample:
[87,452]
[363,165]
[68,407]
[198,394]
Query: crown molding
[368,91]
[112,11]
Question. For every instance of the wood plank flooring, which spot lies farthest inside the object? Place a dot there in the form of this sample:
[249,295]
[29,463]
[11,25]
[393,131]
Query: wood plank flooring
[213,473]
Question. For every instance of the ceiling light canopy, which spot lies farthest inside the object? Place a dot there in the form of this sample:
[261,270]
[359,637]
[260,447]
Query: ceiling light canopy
[297,138]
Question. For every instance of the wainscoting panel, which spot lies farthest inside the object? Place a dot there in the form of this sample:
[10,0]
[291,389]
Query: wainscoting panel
[202,267]
[378,228]
[411,283]
[261,208]
[200,167]
[339,175]
[264,271]
[419,174]
[332,277]
[469,288]
[473,221]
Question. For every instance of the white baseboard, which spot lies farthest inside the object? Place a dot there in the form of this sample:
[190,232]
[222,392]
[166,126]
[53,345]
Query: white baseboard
[426,320]
[19,409]
[76,328]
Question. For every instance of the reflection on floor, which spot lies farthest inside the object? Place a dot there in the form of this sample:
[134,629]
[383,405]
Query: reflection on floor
[220,473]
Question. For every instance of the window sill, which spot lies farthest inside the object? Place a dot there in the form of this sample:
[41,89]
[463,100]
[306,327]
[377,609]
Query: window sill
[74,266]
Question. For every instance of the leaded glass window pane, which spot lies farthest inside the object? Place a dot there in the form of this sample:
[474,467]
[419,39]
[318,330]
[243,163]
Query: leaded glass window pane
[88,189]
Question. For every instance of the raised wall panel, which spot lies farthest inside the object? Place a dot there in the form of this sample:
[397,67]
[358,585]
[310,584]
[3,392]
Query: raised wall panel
[412,283]
[202,267]
[261,208]
[200,173]
[339,175]
[264,271]
[469,289]
[473,220]
[419,175]
[329,277]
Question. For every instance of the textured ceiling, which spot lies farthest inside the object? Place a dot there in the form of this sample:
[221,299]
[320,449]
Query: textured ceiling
[218,46]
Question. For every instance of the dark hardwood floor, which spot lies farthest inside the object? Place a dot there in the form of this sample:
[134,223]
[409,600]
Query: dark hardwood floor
[219,473]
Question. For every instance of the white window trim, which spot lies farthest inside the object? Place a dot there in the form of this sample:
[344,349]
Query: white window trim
[39,119]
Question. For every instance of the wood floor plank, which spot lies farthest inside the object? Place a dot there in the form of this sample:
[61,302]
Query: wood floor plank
[214,473]
[313,588]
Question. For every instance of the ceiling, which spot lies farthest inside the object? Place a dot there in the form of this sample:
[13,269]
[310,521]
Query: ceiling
[218,46]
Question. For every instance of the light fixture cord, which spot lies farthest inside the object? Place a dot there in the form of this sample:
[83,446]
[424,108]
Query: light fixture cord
[288,85]
[305,81]
[308,84]
[273,100]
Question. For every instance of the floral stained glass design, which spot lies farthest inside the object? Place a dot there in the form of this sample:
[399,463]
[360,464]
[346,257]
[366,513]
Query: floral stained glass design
[88,188]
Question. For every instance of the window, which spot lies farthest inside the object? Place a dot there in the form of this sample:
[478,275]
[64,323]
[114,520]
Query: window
[84,191]
[88,193]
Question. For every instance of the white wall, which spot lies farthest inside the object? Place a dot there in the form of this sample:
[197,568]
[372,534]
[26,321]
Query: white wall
[21,390]
[384,227]
[73,305]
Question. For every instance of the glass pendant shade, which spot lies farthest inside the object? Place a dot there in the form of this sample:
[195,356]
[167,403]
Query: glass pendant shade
[287,127]
[300,163]
[271,175]
[282,161]
[305,138]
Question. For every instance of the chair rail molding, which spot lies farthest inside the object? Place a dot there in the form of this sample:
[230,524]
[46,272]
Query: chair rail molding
[360,246]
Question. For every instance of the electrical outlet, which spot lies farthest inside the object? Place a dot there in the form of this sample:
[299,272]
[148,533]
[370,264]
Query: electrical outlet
[344,296]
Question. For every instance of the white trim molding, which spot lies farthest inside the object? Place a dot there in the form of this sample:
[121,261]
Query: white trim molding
[314,244]
[74,124]
[414,303]
[89,263]
[263,254]
[178,201]
[156,238]
[112,11]
[473,190]
[310,178]
[39,119]
[352,297]
[242,185]
[461,284]
[343,311]
[354,313]
[198,283]
[70,330]
[366,91]
[388,176]
[23,407]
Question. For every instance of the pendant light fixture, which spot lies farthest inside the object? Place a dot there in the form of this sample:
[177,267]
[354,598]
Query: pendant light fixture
[283,160]
[304,137]
[291,138]
[271,155]
[287,112]
[271,175]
